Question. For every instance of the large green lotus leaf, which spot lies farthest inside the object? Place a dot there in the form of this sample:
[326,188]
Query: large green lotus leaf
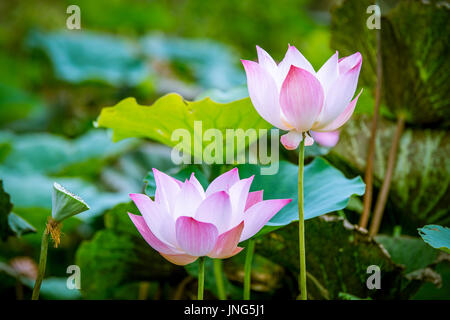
[337,257]
[326,189]
[419,192]
[82,56]
[415,59]
[118,256]
[171,112]
[436,236]
[47,153]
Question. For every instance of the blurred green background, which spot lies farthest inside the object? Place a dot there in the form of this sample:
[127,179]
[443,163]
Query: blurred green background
[140,42]
[54,82]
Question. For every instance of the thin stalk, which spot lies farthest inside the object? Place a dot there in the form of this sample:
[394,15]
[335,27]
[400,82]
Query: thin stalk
[19,289]
[384,192]
[368,177]
[42,265]
[248,268]
[218,275]
[143,290]
[181,287]
[201,277]
[301,222]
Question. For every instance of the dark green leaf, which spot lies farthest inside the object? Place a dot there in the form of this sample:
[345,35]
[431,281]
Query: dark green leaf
[337,256]
[411,252]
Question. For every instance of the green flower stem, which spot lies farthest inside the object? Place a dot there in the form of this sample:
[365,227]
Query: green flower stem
[201,277]
[301,222]
[42,264]
[248,268]
[218,274]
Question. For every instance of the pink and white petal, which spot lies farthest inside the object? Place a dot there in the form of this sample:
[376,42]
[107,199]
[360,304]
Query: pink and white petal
[253,198]
[329,72]
[149,237]
[263,92]
[309,141]
[343,117]
[291,140]
[266,61]
[338,97]
[223,182]
[143,202]
[227,243]
[216,209]
[194,237]
[326,139]
[301,98]
[179,259]
[258,215]
[197,185]
[149,210]
[293,57]
[188,200]
[167,189]
[238,196]
[348,63]
[160,222]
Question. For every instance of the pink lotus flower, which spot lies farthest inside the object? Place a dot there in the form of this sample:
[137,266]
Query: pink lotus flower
[293,97]
[186,222]
[326,139]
